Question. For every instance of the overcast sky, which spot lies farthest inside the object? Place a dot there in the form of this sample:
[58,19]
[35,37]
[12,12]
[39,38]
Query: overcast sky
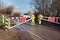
[20,5]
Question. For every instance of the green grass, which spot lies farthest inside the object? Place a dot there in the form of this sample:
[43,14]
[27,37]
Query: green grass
[0,18]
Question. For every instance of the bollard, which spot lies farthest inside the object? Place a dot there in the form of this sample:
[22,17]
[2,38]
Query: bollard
[6,23]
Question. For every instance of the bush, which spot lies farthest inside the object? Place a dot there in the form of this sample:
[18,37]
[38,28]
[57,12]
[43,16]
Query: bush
[2,25]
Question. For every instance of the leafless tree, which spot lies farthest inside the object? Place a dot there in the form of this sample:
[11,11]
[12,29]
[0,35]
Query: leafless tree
[42,6]
[16,14]
[9,9]
[6,10]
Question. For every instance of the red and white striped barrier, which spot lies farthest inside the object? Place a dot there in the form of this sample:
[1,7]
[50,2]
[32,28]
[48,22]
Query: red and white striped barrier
[21,19]
[13,18]
[52,19]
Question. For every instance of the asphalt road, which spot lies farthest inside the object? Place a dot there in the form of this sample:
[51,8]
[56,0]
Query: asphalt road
[41,32]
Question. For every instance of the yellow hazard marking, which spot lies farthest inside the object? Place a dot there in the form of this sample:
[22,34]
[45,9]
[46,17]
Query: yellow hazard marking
[6,19]
[6,26]
[6,22]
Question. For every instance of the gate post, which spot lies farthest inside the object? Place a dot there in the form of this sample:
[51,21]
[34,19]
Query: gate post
[2,18]
[9,23]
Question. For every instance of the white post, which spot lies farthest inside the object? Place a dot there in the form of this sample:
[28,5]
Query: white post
[57,19]
[2,18]
[25,18]
[18,20]
[48,18]
[9,23]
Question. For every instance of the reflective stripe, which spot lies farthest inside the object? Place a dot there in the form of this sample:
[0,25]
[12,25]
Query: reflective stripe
[12,17]
[6,26]
[6,22]
[20,17]
[23,17]
[16,17]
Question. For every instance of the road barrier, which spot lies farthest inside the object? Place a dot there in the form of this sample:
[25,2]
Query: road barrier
[20,19]
[52,20]
[6,22]
[17,20]
[19,24]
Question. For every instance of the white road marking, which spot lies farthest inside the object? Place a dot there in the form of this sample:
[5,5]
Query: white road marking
[33,33]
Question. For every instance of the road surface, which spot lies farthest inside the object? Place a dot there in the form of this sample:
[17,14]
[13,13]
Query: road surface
[41,32]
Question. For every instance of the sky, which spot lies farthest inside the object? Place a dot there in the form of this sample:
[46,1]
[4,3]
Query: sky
[19,5]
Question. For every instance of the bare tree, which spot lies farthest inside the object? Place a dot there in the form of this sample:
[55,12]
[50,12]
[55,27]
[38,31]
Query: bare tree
[42,6]
[55,7]
[9,9]
[16,14]
[6,10]
[37,4]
